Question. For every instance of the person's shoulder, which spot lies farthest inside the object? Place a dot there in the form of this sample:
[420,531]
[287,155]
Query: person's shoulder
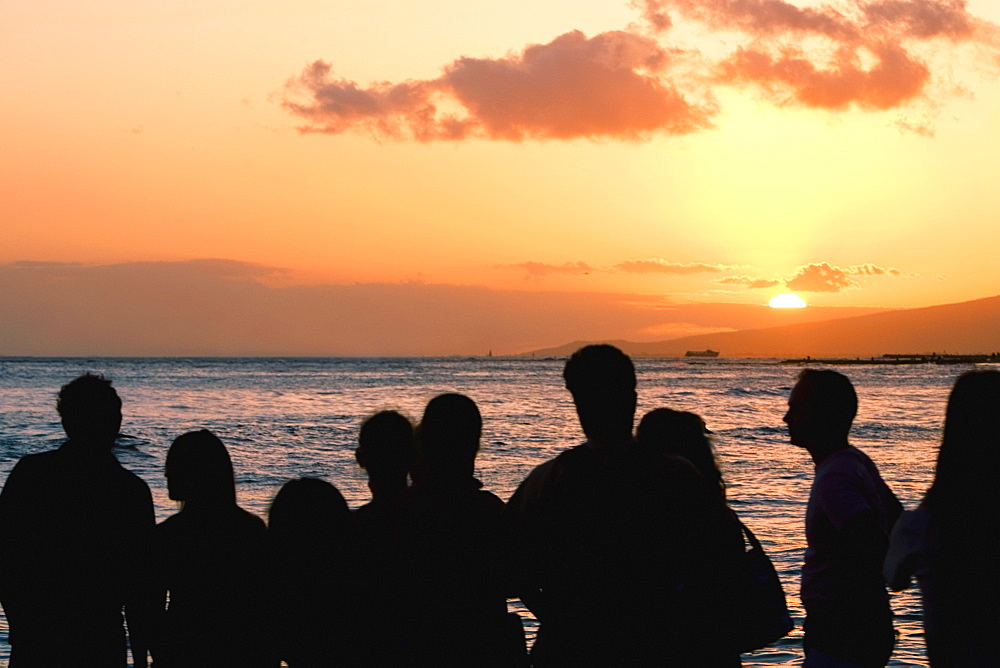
[489,500]
[532,488]
[846,461]
[249,521]
[538,474]
[171,526]
[34,467]
[134,483]
[41,460]
[567,460]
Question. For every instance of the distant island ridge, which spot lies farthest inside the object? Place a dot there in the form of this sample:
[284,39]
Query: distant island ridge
[964,328]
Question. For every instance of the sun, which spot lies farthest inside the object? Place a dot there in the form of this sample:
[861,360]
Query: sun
[787,300]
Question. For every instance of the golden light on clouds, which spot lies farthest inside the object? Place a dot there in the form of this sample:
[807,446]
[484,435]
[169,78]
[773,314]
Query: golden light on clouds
[703,151]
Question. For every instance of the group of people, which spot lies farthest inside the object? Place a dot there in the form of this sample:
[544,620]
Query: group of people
[623,547]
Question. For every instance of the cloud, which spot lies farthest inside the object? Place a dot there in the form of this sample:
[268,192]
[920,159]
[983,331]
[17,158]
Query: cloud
[871,270]
[606,86]
[922,19]
[645,80]
[822,277]
[894,79]
[920,128]
[217,307]
[647,266]
[850,21]
[752,283]
[675,330]
[658,266]
[833,56]
[535,269]
[761,17]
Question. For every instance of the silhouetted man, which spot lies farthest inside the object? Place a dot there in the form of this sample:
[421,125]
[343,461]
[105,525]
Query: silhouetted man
[848,519]
[452,541]
[75,541]
[621,552]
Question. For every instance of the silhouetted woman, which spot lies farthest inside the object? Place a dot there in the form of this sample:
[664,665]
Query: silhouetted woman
[951,542]
[455,603]
[682,434]
[315,598]
[211,561]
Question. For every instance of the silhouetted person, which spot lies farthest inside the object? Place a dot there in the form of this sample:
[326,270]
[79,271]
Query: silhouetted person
[848,519]
[683,434]
[455,603]
[75,543]
[311,540]
[387,453]
[951,542]
[621,553]
[211,561]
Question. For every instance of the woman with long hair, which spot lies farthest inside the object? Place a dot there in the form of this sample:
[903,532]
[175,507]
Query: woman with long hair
[312,571]
[211,563]
[951,542]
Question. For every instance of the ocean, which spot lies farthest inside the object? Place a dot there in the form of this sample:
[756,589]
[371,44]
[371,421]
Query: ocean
[283,418]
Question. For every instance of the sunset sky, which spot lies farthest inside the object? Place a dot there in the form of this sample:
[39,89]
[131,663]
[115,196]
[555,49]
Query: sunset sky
[603,165]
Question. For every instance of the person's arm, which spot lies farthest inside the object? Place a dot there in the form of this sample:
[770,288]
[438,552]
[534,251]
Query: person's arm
[862,540]
[13,506]
[864,543]
[146,597]
[905,549]
[520,519]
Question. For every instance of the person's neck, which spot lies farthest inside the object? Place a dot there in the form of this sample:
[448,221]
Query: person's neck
[387,489]
[89,446]
[208,505]
[821,451]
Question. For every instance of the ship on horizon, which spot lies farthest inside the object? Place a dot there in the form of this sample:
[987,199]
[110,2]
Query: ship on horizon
[702,353]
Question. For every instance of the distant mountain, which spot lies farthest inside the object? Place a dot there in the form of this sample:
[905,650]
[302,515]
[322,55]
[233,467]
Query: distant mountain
[963,328]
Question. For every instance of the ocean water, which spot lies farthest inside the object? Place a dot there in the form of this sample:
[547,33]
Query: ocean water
[288,417]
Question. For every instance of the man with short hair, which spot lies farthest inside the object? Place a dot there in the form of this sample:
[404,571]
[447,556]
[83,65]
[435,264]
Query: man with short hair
[850,513]
[75,543]
[623,554]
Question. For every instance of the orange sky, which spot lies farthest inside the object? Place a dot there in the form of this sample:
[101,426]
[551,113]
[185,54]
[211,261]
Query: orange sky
[667,151]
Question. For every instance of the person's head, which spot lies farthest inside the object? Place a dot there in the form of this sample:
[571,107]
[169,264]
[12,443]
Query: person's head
[970,446]
[90,409]
[385,442]
[448,435]
[199,469]
[308,508]
[821,409]
[683,434]
[601,379]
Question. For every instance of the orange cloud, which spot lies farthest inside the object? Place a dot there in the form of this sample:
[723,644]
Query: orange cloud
[865,55]
[761,17]
[822,277]
[871,270]
[895,79]
[922,19]
[630,84]
[658,266]
[609,85]
[534,269]
[752,283]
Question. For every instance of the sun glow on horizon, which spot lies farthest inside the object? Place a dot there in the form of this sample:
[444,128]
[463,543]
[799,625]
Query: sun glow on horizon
[787,300]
